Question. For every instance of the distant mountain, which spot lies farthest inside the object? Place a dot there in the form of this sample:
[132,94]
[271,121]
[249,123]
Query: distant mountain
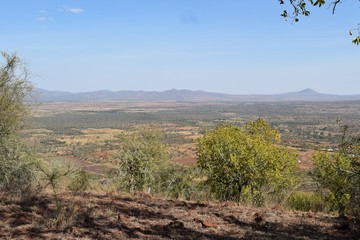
[185,96]
[309,94]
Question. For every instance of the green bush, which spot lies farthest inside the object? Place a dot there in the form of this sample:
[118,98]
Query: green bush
[315,202]
[339,173]
[143,164]
[141,157]
[176,181]
[240,162]
[80,181]
[18,170]
[17,162]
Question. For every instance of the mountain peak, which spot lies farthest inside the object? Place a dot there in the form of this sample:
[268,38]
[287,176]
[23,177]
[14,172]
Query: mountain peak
[308,91]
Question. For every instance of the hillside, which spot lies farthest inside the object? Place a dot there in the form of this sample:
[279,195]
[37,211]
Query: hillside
[185,96]
[95,216]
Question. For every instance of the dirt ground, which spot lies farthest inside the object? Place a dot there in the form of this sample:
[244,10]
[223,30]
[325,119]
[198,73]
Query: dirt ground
[111,216]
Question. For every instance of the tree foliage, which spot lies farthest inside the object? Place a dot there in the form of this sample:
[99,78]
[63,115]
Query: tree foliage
[16,161]
[331,171]
[238,160]
[141,156]
[143,164]
[301,8]
[14,87]
[340,173]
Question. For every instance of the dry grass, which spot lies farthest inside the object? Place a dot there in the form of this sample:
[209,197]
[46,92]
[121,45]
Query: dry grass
[96,216]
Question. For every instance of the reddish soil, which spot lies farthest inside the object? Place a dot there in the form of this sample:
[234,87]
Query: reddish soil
[98,169]
[94,216]
[189,161]
[104,155]
[305,162]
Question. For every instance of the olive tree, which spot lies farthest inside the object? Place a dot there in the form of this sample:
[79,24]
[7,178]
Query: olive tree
[16,161]
[238,160]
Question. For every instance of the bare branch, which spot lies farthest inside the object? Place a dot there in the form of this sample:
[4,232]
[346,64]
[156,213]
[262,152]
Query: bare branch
[335,3]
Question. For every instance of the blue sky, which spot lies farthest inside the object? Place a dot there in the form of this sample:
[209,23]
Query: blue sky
[228,46]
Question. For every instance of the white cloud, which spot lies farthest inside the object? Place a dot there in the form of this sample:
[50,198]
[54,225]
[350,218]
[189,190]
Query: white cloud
[75,10]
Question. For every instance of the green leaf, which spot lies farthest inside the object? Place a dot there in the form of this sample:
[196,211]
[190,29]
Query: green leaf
[302,6]
[321,2]
[284,14]
[356,40]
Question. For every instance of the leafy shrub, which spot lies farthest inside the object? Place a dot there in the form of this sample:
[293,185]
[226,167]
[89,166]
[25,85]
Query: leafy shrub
[139,160]
[18,170]
[315,202]
[239,162]
[340,173]
[175,180]
[17,162]
[80,181]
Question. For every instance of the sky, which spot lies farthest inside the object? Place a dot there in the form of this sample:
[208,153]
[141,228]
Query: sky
[226,46]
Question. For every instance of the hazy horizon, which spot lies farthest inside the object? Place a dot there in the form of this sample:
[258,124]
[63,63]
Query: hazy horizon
[232,47]
[197,90]
[202,90]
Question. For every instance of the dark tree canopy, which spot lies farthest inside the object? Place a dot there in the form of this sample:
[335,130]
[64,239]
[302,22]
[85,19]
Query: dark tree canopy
[299,8]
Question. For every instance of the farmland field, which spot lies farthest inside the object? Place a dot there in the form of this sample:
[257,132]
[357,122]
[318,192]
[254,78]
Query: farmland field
[90,131]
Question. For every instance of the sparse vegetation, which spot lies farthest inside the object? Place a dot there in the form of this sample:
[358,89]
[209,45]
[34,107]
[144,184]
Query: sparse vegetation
[312,201]
[151,151]
[17,162]
[339,173]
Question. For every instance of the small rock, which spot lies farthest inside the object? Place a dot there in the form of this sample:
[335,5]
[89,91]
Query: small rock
[206,224]
[176,224]
[121,218]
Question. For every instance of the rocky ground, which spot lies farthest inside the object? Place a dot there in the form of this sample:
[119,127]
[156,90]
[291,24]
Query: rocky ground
[100,216]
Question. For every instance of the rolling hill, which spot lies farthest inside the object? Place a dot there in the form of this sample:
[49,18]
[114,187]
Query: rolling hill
[185,96]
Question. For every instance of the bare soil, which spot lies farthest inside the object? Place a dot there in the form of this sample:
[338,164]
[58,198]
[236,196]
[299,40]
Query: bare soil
[100,216]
